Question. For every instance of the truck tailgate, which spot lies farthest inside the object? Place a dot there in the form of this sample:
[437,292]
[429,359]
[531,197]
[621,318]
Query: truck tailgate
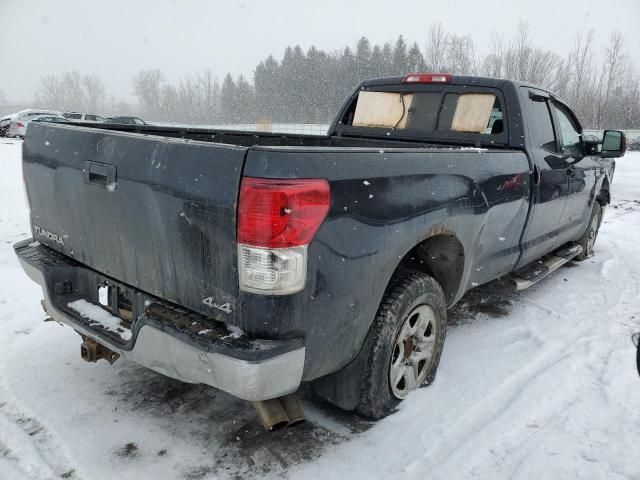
[156,213]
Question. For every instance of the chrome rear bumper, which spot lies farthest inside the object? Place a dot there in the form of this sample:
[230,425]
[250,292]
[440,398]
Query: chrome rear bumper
[253,369]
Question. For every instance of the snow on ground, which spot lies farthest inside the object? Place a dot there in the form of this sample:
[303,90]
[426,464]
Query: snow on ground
[540,384]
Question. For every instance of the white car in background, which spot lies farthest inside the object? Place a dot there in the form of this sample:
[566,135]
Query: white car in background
[5,121]
[83,117]
[18,126]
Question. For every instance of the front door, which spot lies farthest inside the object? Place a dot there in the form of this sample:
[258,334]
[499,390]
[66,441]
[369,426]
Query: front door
[582,175]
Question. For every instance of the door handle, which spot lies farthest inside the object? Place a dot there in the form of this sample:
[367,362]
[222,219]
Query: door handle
[100,174]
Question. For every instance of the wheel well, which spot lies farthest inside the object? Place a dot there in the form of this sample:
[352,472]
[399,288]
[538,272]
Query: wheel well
[442,257]
[604,198]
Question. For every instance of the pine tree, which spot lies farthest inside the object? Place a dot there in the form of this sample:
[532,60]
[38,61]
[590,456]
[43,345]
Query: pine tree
[245,101]
[399,61]
[377,62]
[363,59]
[387,60]
[415,60]
[228,113]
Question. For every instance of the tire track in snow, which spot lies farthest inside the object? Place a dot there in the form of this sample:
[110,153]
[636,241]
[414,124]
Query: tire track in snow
[504,406]
[493,406]
[28,446]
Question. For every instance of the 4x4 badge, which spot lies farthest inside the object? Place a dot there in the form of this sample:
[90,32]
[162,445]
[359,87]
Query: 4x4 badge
[225,307]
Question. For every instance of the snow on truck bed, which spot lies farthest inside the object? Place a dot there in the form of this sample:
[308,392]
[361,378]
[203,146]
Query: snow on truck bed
[540,384]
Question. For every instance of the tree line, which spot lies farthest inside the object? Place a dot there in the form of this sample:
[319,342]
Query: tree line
[601,84]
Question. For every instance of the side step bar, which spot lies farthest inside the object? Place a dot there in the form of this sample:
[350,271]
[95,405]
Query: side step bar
[531,274]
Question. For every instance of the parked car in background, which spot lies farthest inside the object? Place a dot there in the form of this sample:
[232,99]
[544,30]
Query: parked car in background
[33,112]
[4,125]
[126,121]
[634,146]
[22,114]
[84,117]
[18,126]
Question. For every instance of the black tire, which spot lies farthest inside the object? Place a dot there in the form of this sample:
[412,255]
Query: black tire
[588,239]
[409,291]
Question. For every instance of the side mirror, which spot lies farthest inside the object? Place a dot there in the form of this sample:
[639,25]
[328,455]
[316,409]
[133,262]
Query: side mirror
[614,144]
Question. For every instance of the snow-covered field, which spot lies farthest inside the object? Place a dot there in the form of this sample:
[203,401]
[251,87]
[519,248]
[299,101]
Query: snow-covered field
[536,385]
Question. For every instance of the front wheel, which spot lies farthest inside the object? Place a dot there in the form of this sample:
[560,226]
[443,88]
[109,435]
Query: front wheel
[588,239]
[407,339]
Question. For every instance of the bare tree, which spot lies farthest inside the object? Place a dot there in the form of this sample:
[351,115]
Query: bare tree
[461,57]
[581,77]
[611,76]
[208,92]
[170,104]
[528,63]
[436,53]
[493,64]
[51,93]
[147,87]
[95,92]
[73,91]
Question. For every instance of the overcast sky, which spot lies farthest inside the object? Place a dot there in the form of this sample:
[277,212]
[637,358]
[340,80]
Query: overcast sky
[117,38]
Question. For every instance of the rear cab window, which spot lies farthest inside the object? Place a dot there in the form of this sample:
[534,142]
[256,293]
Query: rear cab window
[447,113]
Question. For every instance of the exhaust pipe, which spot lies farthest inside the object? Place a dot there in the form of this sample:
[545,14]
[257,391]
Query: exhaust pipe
[293,409]
[280,412]
[271,414]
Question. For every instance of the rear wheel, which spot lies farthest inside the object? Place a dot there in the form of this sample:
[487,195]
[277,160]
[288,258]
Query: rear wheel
[407,339]
[588,240]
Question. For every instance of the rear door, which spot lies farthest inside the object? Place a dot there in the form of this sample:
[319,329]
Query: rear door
[550,177]
[156,213]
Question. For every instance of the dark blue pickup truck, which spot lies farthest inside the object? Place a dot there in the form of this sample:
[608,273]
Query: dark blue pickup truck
[253,262]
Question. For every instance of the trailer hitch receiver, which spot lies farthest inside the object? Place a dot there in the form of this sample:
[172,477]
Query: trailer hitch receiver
[91,351]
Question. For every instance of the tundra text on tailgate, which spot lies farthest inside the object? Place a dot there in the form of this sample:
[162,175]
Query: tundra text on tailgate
[253,262]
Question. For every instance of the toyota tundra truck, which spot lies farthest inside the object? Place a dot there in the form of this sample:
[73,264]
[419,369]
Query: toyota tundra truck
[255,262]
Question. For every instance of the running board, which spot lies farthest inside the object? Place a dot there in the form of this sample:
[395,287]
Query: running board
[531,274]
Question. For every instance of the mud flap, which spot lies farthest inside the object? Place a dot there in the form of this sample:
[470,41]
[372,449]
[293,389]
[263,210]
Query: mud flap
[343,387]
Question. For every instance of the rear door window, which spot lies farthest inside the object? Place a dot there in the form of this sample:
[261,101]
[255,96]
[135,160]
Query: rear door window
[540,125]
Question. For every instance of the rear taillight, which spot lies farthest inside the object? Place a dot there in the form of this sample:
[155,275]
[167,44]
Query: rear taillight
[20,124]
[276,221]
